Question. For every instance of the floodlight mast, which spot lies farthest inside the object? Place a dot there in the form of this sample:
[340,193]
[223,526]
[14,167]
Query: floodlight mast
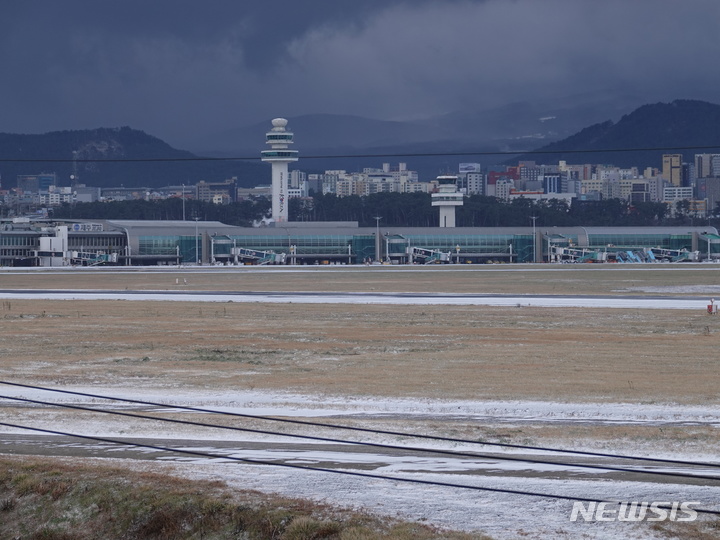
[377,238]
[197,257]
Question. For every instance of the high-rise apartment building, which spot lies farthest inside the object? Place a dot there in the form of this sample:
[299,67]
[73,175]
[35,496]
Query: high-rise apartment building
[672,169]
[707,165]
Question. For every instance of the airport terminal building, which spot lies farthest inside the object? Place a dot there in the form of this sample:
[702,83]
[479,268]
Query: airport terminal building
[58,243]
[50,243]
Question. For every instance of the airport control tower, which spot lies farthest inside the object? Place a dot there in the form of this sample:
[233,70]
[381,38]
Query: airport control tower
[447,198]
[279,156]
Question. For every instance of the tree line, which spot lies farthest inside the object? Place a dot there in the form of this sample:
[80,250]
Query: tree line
[401,210]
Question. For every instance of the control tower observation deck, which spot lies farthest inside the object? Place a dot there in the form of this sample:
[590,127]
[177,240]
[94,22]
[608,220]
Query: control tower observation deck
[279,157]
[447,198]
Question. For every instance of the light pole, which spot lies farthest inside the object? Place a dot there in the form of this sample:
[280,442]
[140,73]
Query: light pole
[377,238]
[183,200]
[197,257]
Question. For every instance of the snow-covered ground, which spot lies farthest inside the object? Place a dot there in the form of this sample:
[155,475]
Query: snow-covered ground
[286,404]
[500,515]
[692,303]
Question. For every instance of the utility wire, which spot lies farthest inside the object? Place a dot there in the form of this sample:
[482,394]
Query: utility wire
[364,430]
[334,471]
[370,444]
[351,156]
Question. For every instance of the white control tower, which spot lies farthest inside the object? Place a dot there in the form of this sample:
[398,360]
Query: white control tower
[447,198]
[279,139]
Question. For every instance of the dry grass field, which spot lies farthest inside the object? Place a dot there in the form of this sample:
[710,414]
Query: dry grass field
[426,351]
[458,352]
[455,352]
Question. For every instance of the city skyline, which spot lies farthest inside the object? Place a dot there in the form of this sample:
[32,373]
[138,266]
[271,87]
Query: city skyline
[697,182]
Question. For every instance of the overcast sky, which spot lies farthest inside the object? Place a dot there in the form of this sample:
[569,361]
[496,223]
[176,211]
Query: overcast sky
[176,68]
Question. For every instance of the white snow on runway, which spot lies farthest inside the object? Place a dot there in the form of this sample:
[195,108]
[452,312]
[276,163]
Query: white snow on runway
[398,299]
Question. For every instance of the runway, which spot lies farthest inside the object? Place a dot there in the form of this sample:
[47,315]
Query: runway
[561,300]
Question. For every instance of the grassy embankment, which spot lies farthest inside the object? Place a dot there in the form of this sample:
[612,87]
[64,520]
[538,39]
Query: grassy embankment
[58,500]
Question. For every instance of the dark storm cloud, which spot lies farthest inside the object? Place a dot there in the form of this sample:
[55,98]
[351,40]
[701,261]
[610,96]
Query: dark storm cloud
[81,63]
[178,67]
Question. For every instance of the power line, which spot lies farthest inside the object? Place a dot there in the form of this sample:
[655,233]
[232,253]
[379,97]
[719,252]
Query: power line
[371,155]
[366,430]
[370,444]
[333,471]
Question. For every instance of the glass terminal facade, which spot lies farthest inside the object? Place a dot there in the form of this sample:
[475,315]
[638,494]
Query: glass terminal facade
[188,242]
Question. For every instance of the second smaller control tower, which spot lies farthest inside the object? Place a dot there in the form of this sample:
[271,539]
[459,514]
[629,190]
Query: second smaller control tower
[447,198]
[279,139]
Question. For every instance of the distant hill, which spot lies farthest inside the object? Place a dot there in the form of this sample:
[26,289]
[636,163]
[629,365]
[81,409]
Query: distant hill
[683,126]
[326,131]
[524,122]
[519,126]
[33,154]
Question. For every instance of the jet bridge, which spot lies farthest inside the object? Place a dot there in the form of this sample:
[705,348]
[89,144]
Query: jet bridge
[427,256]
[92,258]
[577,255]
[674,255]
[254,256]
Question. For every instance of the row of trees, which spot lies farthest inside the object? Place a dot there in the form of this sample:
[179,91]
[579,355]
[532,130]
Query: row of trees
[416,210]
[242,213]
[399,209]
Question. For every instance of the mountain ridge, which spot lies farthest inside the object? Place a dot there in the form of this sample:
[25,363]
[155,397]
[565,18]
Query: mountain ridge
[151,162]
[516,124]
[639,138]
[90,154]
